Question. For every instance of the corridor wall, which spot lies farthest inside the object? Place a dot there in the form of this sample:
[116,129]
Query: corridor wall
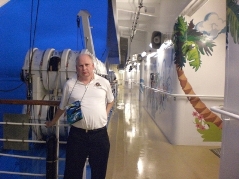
[185,120]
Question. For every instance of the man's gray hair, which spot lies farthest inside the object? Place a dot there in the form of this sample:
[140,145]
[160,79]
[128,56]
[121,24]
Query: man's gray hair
[91,56]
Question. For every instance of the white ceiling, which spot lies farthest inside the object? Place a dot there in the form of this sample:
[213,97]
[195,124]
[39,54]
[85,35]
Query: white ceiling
[153,15]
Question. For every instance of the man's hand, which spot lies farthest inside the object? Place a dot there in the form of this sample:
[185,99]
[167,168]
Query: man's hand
[49,124]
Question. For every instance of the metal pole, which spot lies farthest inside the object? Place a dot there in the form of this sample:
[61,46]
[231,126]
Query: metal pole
[141,81]
[51,160]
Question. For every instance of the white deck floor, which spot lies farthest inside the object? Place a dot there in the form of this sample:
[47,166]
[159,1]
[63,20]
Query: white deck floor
[139,150]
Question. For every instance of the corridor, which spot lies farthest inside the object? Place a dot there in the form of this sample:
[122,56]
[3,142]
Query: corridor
[139,150]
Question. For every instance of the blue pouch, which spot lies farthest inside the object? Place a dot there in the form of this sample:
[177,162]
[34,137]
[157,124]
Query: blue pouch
[73,112]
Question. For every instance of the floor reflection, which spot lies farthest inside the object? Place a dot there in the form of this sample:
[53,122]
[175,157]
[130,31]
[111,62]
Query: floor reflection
[140,151]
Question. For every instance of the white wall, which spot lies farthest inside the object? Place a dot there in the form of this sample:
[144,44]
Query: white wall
[174,115]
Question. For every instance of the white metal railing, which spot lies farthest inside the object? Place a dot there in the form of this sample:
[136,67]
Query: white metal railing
[219,109]
[179,95]
[22,140]
[33,141]
[57,133]
[37,141]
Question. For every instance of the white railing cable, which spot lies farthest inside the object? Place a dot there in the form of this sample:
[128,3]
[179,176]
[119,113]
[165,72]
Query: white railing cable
[29,124]
[62,142]
[21,156]
[20,173]
[22,123]
[62,159]
[22,140]
[219,109]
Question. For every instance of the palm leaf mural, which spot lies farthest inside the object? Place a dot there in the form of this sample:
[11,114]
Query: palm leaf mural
[189,44]
[233,19]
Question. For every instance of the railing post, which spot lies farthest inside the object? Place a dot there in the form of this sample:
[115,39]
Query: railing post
[51,160]
[57,146]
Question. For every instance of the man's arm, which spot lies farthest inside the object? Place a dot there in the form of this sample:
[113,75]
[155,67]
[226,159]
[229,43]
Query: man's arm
[109,106]
[58,114]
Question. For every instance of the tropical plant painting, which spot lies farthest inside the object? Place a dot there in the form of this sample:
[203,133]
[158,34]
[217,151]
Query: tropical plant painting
[233,19]
[157,102]
[190,44]
[208,130]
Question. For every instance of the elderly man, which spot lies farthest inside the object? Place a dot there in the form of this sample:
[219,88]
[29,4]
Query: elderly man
[87,137]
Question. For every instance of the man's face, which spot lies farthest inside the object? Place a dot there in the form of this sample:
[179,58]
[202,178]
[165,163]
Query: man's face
[84,66]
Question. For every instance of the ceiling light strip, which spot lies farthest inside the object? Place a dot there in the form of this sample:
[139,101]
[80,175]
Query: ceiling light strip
[192,7]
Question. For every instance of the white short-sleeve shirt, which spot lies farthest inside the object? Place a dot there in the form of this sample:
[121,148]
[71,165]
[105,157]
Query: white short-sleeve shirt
[93,105]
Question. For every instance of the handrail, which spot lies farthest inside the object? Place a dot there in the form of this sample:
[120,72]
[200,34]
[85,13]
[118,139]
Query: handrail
[22,140]
[219,109]
[29,102]
[179,95]
[32,102]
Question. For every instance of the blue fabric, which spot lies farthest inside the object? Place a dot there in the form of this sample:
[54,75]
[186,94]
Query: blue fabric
[74,112]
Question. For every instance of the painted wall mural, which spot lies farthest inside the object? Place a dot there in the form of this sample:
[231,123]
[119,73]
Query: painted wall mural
[208,130]
[160,70]
[194,65]
[190,42]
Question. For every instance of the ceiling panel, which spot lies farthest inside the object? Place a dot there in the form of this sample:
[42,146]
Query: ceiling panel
[145,16]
